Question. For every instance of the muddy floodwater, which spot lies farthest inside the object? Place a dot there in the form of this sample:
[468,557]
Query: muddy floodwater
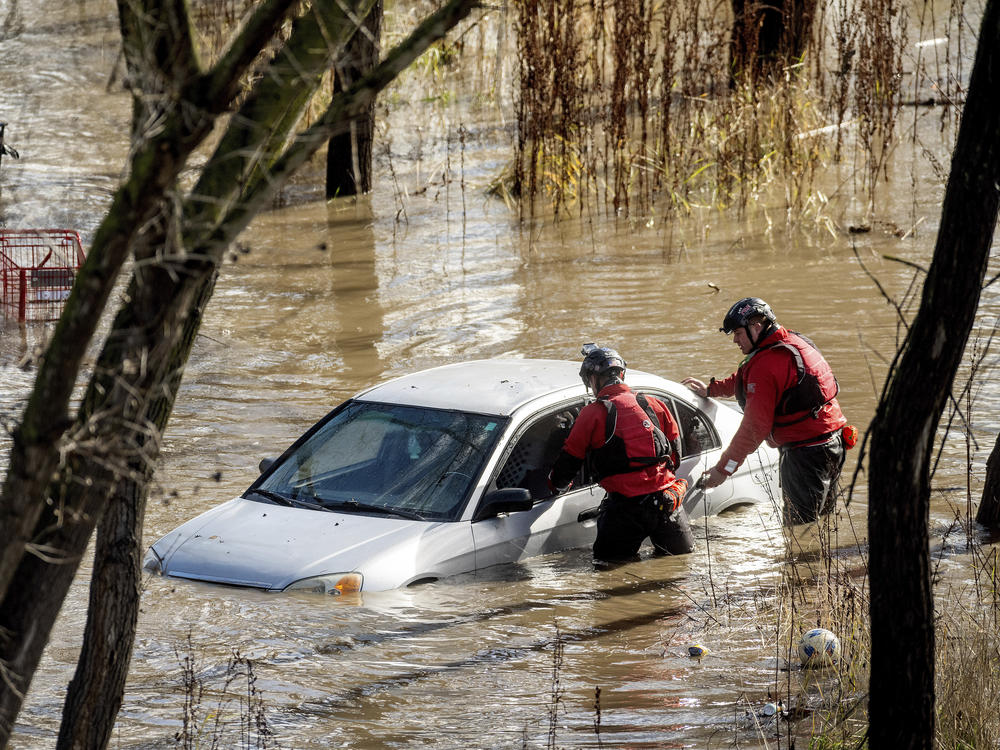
[329,298]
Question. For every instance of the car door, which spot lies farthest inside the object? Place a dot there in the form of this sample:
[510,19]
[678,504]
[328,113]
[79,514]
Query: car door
[554,522]
[700,450]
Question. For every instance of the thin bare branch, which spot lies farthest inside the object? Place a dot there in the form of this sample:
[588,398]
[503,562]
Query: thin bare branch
[220,84]
[905,262]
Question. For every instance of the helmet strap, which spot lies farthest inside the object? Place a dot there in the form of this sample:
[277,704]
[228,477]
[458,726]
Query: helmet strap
[764,333]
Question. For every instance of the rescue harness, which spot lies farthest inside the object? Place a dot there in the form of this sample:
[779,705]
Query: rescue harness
[816,385]
[625,444]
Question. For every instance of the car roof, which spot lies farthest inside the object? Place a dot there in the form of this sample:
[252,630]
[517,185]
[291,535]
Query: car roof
[490,386]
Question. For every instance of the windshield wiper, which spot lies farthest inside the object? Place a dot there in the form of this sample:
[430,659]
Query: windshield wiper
[280,499]
[366,508]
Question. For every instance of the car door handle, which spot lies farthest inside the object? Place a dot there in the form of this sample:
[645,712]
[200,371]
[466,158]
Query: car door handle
[588,514]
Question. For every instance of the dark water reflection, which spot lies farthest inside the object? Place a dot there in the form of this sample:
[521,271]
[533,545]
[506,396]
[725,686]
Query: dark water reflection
[323,300]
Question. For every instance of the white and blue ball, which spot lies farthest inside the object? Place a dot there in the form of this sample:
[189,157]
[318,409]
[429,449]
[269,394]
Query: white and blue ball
[819,648]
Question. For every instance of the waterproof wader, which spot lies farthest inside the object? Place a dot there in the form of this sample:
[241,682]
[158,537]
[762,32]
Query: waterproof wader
[625,522]
[809,479]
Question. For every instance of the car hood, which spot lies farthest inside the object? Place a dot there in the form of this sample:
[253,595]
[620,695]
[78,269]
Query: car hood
[247,543]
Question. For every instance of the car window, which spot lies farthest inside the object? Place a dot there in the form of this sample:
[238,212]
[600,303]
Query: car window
[697,433]
[360,439]
[412,460]
[534,451]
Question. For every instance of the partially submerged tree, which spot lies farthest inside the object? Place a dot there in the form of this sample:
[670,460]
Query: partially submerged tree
[901,697]
[768,35]
[68,475]
[349,155]
[988,512]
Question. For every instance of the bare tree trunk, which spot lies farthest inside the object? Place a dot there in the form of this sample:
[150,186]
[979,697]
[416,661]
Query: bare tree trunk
[767,36]
[36,593]
[901,703]
[989,506]
[349,154]
[95,693]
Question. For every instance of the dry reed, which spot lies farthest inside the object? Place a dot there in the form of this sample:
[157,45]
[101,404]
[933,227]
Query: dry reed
[635,105]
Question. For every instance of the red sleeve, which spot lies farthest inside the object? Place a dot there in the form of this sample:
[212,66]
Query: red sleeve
[590,423]
[767,377]
[724,388]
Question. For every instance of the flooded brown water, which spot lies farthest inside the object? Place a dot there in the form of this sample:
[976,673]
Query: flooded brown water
[331,298]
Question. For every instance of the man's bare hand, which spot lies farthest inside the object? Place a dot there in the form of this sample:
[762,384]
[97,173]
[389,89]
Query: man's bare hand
[697,386]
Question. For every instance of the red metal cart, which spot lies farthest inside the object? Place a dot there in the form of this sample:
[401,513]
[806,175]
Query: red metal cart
[37,269]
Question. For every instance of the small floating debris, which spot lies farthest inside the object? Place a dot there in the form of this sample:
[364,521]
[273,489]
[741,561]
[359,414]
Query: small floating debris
[758,717]
[770,709]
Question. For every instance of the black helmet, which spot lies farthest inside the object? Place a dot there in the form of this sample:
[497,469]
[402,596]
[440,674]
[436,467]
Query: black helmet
[598,360]
[742,312]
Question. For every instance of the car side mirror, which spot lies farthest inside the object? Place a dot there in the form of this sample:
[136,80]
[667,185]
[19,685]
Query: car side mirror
[265,464]
[507,500]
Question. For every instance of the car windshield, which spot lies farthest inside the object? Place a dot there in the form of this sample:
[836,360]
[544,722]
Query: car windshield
[398,461]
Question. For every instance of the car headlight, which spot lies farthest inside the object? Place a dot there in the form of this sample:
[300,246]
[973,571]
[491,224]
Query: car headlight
[331,583]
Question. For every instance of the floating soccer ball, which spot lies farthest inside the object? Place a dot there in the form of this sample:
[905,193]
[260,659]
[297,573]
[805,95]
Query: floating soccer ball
[819,648]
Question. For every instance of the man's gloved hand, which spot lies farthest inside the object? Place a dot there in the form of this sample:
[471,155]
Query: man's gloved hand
[712,478]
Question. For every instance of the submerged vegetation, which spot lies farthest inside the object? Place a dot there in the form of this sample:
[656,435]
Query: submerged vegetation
[635,109]
[638,110]
[227,712]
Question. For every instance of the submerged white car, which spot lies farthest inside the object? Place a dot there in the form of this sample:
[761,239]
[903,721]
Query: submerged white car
[433,474]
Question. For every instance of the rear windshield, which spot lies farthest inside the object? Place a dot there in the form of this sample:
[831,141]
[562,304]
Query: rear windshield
[387,459]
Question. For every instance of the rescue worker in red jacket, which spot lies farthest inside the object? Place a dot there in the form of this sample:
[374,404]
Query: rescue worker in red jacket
[789,397]
[633,444]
